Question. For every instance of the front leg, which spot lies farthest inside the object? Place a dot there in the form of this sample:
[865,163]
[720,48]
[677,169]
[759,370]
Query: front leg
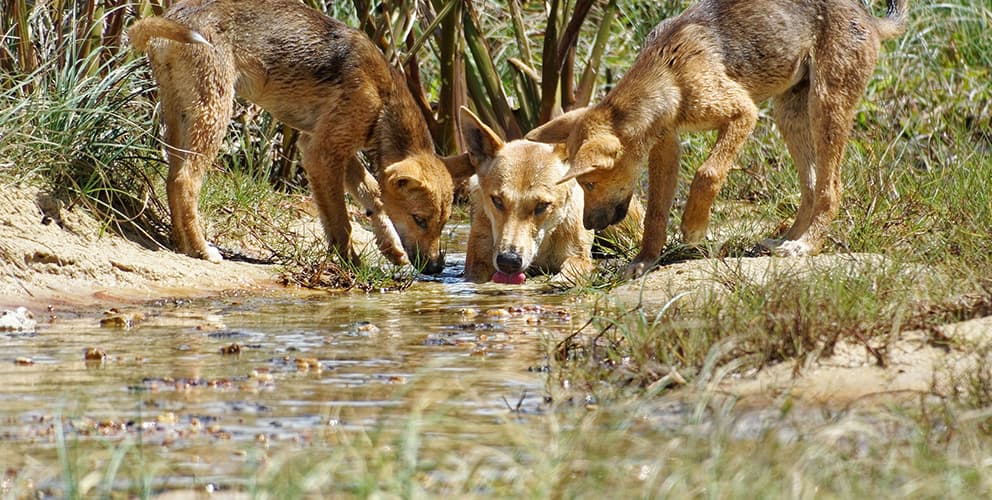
[570,250]
[479,266]
[663,177]
[326,163]
[713,172]
[363,186]
[575,270]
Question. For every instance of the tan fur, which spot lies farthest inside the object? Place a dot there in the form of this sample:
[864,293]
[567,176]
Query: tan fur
[705,70]
[523,219]
[318,76]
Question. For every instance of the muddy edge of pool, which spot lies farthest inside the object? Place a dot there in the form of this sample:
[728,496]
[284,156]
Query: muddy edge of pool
[57,256]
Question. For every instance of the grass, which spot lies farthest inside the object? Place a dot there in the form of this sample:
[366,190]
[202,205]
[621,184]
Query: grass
[72,125]
[636,448]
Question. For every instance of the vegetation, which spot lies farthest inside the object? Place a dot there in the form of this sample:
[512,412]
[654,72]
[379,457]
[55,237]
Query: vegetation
[77,112]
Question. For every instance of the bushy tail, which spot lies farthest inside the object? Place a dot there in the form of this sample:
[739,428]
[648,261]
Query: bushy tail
[894,22]
[145,29]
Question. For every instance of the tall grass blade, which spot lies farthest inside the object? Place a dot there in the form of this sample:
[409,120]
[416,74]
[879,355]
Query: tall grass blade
[489,75]
[588,80]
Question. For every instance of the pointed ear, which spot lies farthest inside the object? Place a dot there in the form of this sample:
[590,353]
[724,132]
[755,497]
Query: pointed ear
[402,175]
[481,141]
[459,166]
[598,153]
[557,130]
[574,172]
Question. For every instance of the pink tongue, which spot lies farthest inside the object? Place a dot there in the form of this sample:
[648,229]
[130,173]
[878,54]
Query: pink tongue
[509,279]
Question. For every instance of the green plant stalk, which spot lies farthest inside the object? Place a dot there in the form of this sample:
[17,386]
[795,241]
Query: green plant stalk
[414,83]
[367,23]
[588,80]
[526,79]
[410,62]
[567,49]
[429,29]
[27,55]
[86,32]
[477,93]
[452,69]
[549,67]
[520,32]
[490,76]
[114,26]
[566,80]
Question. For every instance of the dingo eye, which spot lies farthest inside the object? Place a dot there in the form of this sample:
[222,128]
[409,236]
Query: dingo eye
[541,208]
[588,186]
[498,203]
[421,222]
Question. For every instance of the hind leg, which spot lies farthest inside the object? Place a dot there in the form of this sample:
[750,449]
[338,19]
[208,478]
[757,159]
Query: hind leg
[196,109]
[840,76]
[791,113]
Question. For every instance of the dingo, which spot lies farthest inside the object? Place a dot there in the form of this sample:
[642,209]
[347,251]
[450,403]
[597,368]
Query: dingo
[318,76]
[523,219]
[705,70]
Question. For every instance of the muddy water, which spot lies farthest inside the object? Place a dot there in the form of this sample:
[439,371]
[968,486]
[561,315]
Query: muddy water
[205,388]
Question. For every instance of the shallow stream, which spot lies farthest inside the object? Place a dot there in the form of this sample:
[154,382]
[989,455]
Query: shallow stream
[208,388]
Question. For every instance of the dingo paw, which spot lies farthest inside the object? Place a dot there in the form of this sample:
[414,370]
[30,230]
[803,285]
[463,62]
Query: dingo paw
[636,269]
[786,248]
[393,254]
[213,255]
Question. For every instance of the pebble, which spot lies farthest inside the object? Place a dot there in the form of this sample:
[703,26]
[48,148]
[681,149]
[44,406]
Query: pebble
[18,320]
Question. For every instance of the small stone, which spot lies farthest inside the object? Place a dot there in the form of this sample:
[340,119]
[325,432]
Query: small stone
[18,320]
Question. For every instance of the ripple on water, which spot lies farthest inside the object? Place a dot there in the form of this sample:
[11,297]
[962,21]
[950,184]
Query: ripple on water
[207,380]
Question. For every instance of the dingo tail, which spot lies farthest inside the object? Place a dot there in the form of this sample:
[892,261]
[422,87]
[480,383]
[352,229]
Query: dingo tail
[145,29]
[894,22]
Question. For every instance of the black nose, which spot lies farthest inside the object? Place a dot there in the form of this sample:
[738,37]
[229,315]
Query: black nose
[597,220]
[509,262]
[429,266]
[434,266]
[620,211]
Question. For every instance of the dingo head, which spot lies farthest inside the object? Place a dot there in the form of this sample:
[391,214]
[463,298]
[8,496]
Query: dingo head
[417,196]
[594,153]
[518,188]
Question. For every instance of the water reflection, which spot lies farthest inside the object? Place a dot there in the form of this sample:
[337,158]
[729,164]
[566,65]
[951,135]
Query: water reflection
[205,381]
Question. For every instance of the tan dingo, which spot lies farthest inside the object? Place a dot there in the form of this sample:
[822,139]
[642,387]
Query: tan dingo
[523,219]
[318,76]
[705,70]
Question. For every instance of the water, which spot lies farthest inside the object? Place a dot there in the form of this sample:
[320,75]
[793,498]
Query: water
[205,388]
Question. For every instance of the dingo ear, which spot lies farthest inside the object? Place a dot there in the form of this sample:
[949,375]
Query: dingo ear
[459,166]
[573,173]
[402,175]
[557,130]
[598,153]
[481,141]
